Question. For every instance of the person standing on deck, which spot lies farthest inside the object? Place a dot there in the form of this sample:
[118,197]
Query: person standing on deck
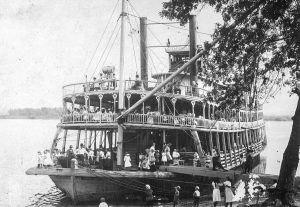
[168,152]
[103,203]
[196,196]
[40,160]
[149,195]
[216,161]
[176,196]
[127,160]
[228,192]
[176,156]
[216,196]
[81,152]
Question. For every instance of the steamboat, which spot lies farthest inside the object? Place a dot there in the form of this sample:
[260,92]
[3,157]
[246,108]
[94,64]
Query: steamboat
[127,116]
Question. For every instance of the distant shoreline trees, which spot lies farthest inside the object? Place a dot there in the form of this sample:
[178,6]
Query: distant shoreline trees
[43,112]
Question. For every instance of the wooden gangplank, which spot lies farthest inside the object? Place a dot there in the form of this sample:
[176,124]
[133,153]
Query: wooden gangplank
[235,175]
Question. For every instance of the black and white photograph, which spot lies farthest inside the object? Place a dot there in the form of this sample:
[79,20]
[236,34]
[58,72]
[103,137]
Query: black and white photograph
[139,103]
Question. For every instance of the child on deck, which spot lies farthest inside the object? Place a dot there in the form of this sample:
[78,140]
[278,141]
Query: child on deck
[40,160]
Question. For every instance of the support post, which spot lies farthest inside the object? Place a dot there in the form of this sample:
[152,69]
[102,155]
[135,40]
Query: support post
[224,148]
[218,141]
[210,142]
[85,137]
[78,138]
[121,87]
[144,52]
[193,48]
[64,141]
[229,147]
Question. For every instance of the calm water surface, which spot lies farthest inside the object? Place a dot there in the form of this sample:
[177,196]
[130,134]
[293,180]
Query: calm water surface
[21,139]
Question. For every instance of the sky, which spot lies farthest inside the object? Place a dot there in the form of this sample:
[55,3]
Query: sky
[45,44]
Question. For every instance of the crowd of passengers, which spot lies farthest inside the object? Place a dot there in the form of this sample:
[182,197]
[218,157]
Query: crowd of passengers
[109,82]
[107,115]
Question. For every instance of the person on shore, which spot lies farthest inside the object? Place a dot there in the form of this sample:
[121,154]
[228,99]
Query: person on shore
[40,160]
[149,195]
[228,192]
[103,203]
[176,196]
[196,196]
[127,160]
[216,196]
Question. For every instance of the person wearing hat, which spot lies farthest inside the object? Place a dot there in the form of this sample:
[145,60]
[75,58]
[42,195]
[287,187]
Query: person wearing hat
[149,195]
[176,196]
[70,155]
[103,203]
[196,196]
[127,160]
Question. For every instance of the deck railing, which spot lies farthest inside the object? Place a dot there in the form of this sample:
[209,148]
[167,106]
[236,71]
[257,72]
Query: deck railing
[89,118]
[169,120]
[156,119]
[113,84]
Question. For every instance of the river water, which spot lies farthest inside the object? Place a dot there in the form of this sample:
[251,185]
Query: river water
[21,139]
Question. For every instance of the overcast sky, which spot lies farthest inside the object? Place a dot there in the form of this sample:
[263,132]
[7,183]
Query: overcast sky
[45,44]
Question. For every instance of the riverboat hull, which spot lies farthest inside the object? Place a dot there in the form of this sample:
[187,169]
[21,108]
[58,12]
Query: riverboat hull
[88,186]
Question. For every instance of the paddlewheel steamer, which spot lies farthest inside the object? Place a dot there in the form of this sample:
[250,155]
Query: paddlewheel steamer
[129,115]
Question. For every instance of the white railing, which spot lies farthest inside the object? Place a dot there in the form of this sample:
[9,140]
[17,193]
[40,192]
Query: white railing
[89,118]
[155,118]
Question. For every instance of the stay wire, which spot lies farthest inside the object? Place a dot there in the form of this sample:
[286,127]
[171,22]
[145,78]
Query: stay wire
[105,48]
[114,40]
[128,19]
[101,37]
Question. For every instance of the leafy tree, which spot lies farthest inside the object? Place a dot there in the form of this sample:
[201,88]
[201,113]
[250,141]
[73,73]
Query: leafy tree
[254,59]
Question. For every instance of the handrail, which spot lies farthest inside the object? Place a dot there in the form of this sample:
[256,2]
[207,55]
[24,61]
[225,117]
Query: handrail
[154,118]
[113,84]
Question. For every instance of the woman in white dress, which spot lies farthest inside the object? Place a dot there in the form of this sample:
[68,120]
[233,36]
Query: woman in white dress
[127,161]
[228,192]
[216,192]
[47,161]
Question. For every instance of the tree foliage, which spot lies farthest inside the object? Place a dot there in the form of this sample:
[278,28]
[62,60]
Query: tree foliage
[257,58]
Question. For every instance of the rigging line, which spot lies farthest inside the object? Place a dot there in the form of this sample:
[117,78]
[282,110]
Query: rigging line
[155,36]
[133,44]
[133,9]
[114,40]
[158,58]
[105,48]
[101,37]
